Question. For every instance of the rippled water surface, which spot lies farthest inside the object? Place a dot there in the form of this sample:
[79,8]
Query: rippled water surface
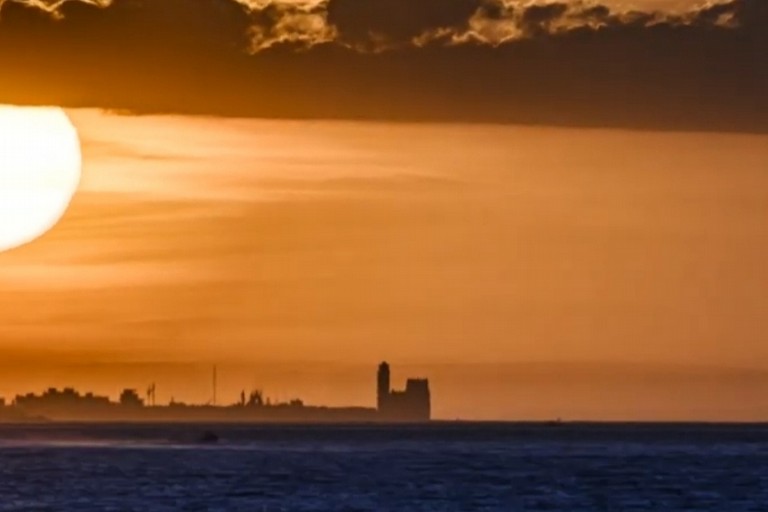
[443,467]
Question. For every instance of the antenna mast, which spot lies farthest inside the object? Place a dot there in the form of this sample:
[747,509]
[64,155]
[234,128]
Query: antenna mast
[214,384]
[151,395]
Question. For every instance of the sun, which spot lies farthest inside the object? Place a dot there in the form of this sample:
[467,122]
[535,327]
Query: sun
[40,164]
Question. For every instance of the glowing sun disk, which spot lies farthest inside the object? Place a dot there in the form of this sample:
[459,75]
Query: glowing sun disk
[40,165]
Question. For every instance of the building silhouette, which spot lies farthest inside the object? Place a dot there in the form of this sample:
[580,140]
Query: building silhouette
[412,404]
[131,398]
[67,402]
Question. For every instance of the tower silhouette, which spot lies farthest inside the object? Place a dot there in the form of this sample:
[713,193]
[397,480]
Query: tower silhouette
[383,387]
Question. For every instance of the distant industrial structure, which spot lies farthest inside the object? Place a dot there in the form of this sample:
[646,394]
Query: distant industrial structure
[413,404]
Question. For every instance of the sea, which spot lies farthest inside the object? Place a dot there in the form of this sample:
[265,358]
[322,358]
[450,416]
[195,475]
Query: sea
[442,467]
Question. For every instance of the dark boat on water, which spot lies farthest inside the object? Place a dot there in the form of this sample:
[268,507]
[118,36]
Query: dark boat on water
[208,437]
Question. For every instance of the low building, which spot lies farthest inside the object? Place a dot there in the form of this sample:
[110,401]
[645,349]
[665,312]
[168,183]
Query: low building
[131,398]
[65,404]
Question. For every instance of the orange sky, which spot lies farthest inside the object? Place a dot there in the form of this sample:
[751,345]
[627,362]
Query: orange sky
[438,247]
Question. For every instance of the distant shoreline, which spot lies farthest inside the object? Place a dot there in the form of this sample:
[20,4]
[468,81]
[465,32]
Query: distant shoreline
[430,424]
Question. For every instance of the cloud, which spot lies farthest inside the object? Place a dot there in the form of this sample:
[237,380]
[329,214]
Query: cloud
[296,24]
[539,17]
[396,21]
[363,24]
[567,62]
[202,26]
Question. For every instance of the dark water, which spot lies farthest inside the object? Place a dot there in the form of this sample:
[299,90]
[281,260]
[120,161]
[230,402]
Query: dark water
[444,468]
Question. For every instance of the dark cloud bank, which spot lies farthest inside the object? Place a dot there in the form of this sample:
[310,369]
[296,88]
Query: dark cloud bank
[569,63]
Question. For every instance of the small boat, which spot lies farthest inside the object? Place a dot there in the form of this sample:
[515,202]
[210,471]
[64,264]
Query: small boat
[208,437]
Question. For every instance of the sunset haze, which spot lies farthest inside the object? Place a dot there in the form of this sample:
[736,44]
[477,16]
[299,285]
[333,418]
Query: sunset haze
[551,209]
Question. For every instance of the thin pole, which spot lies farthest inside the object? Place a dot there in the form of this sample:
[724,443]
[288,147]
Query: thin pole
[214,384]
